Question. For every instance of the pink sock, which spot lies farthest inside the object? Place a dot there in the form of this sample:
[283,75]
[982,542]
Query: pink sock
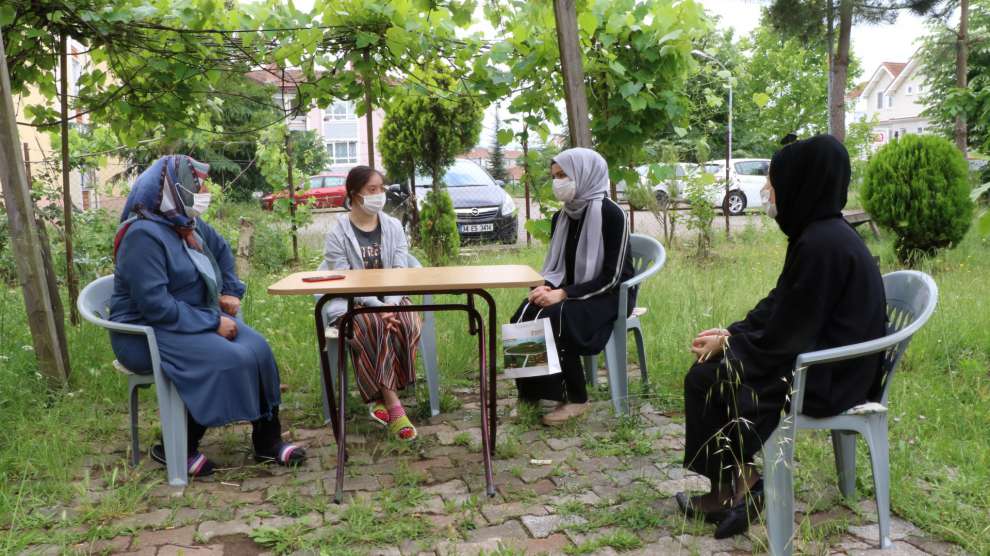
[395,412]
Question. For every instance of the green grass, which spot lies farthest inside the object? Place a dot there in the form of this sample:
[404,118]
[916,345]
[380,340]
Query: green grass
[940,399]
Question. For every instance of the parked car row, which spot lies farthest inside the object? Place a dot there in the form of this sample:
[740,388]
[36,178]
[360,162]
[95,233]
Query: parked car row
[746,179]
[485,212]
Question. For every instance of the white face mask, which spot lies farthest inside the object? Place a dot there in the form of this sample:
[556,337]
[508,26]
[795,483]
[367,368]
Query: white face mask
[201,203]
[564,189]
[373,204]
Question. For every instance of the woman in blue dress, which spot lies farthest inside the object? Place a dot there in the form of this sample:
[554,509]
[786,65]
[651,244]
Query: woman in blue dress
[176,274]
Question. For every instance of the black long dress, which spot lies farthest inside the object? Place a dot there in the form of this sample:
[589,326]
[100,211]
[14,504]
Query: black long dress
[829,294]
[581,327]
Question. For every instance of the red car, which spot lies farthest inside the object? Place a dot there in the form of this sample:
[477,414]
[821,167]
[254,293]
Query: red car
[320,191]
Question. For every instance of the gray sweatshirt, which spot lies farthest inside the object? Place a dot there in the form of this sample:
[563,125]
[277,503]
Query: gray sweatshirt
[341,252]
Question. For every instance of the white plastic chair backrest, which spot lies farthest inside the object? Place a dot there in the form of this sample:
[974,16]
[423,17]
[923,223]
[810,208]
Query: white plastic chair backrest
[648,255]
[94,300]
[911,298]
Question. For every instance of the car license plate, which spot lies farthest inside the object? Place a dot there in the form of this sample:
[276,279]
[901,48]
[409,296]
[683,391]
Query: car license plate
[474,228]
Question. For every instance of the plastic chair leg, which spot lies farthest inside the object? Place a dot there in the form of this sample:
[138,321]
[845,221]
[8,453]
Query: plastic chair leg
[844,446]
[332,358]
[173,413]
[428,351]
[778,467]
[641,354]
[876,439]
[590,363]
[615,360]
[135,441]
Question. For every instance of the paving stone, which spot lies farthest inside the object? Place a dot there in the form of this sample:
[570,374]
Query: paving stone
[564,443]
[542,526]
[490,546]
[42,550]
[182,536]
[353,484]
[441,522]
[900,548]
[496,514]
[388,551]
[114,545]
[259,483]
[623,478]
[706,545]
[899,530]
[554,544]
[433,505]
[153,519]
[588,498]
[934,547]
[449,488]
[543,487]
[534,473]
[185,516]
[424,465]
[209,530]
[687,484]
[607,492]
[182,550]
[508,531]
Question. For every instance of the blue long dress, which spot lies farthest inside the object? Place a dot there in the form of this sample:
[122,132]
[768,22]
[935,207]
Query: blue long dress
[157,284]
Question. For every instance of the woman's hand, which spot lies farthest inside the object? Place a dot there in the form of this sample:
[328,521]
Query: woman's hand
[391,321]
[549,297]
[539,290]
[704,347]
[230,304]
[712,332]
[227,328]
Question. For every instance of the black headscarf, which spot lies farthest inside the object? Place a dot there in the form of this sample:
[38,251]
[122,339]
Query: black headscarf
[810,179]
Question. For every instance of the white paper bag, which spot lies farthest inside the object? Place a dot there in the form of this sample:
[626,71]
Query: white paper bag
[529,349]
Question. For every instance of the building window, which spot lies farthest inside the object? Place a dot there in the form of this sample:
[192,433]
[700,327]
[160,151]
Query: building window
[341,110]
[342,152]
[879,101]
[910,89]
[890,101]
[903,132]
[921,130]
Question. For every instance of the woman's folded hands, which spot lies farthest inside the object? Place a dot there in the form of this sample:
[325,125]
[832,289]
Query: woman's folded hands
[708,343]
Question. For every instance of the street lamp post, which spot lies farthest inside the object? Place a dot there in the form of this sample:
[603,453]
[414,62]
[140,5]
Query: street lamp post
[728,141]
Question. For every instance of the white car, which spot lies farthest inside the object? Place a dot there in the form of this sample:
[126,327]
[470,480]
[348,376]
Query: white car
[662,189]
[746,178]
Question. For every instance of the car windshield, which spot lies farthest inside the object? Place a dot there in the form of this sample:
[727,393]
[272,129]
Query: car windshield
[463,173]
[333,181]
[315,182]
[714,168]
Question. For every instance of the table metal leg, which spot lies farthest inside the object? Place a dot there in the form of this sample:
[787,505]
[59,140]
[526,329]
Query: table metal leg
[492,366]
[321,340]
[343,329]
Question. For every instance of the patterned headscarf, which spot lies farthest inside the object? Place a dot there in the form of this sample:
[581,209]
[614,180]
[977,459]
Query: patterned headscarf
[162,194]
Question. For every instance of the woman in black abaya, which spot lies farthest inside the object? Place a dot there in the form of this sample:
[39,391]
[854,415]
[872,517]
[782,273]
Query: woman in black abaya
[829,294]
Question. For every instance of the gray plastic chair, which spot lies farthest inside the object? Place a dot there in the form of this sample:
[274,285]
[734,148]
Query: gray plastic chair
[94,306]
[911,299]
[648,258]
[427,350]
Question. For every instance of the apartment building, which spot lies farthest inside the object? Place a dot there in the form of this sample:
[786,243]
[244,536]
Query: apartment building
[893,97]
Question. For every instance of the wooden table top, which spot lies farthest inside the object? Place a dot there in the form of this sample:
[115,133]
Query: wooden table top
[410,280]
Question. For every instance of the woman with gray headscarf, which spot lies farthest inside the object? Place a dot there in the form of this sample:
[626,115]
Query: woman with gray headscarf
[588,259]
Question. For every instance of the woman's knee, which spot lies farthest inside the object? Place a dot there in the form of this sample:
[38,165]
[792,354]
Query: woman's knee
[700,377]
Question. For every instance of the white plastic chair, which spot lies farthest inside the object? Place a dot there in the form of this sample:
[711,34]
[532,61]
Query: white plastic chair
[911,298]
[648,258]
[427,349]
[94,306]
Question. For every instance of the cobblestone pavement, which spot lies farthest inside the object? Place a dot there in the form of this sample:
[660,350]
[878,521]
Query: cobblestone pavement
[601,486]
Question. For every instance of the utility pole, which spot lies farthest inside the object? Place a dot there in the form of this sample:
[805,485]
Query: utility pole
[70,271]
[962,70]
[571,67]
[47,332]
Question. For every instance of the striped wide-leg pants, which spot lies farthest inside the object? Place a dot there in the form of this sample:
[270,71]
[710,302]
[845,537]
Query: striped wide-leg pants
[384,359]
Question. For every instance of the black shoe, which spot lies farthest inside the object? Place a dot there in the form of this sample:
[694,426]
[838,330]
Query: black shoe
[684,502]
[196,465]
[737,518]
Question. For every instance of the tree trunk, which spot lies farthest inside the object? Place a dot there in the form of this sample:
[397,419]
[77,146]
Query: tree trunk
[962,70]
[830,44]
[45,322]
[368,117]
[571,67]
[526,178]
[413,206]
[245,245]
[70,271]
[840,73]
[292,194]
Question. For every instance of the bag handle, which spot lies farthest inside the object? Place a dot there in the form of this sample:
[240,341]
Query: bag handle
[523,312]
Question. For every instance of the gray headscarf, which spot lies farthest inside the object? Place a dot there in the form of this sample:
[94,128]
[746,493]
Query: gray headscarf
[590,174]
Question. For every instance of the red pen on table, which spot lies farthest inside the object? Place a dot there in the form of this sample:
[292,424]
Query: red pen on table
[325,278]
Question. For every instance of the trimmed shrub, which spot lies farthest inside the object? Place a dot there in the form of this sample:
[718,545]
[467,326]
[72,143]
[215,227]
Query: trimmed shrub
[438,228]
[918,187]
